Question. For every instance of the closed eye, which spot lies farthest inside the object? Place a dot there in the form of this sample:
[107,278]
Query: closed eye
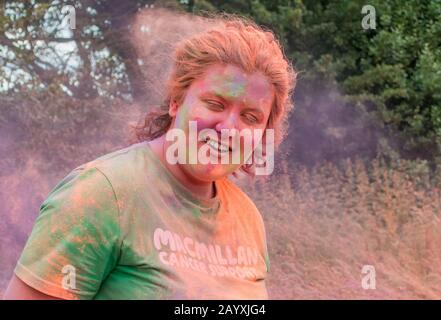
[215,105]
[251,118]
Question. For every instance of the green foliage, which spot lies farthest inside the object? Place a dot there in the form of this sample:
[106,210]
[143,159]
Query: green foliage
[389,78]
[365,93]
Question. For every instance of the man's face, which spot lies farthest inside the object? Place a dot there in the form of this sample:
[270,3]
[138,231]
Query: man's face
[225,99]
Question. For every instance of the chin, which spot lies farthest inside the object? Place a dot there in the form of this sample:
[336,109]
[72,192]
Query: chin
[211,172]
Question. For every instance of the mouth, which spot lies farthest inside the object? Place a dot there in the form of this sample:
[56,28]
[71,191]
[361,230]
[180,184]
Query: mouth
[216,146]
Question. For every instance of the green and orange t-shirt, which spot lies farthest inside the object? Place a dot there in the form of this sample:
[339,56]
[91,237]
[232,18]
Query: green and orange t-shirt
[123,227]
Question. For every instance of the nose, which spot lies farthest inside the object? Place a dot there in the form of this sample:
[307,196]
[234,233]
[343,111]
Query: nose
[230,125]
[228,122]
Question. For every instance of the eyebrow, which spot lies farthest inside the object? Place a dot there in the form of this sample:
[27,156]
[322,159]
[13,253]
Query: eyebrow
[227,99]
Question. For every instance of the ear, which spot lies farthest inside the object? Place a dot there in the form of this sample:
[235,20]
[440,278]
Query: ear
[173,108]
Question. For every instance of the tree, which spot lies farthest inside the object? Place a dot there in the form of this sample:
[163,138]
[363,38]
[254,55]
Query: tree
[40,52]
[360,92]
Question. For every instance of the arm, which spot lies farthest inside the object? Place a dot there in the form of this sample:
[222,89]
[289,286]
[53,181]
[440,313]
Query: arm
[18,290]
[77,226]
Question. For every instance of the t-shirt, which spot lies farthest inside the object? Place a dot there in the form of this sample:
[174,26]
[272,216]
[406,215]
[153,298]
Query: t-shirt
[123,227]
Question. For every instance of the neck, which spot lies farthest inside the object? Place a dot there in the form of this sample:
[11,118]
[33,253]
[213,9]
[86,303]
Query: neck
[203,189]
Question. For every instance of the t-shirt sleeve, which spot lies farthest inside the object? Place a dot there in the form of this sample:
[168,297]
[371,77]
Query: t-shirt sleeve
[75,241]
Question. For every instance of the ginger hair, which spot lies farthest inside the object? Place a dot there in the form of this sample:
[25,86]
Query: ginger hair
[234,40]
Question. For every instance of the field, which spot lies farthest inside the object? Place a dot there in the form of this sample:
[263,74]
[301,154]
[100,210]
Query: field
[323,223]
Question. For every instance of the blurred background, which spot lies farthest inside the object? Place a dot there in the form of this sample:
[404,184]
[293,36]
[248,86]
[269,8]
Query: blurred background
[357,180]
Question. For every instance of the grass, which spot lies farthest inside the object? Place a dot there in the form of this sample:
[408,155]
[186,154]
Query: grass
[323,224]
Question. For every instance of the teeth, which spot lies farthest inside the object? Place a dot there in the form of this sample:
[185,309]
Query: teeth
[218,147]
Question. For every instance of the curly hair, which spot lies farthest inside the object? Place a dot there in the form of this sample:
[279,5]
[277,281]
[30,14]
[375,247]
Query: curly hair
[234,40]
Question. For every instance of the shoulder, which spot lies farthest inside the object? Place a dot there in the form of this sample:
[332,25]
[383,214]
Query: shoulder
[93,194]
[121,168]
[84,193]
[239,199]
[119,160]
[104,180]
